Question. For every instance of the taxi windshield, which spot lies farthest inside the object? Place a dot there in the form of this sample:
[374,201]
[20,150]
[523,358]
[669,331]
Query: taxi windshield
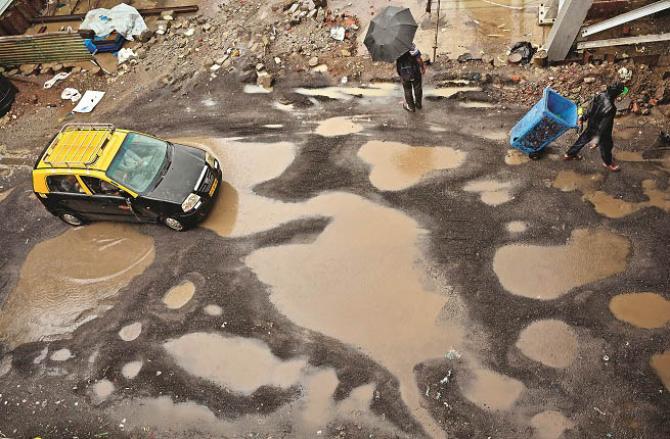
[139,162]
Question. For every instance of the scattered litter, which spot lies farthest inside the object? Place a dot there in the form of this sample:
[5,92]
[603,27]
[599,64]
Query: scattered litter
[125,54]
[59,77]
[625,74]
[600,412]
[337,33]
[189,32]
[445,380]
[88,101]
[521,52]
[453,354]
[606,358]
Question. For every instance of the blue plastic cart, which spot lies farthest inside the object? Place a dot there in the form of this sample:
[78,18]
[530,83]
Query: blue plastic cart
[544,123]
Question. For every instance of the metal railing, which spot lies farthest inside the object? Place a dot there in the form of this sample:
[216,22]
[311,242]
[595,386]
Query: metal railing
[72,149]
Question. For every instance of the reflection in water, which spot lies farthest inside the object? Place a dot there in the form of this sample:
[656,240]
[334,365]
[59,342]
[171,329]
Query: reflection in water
[550,342]
[644,310]
[396,166]
[548,272]
[550,424]
[65,280]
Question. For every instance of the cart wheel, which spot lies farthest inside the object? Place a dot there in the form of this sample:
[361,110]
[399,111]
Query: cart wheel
[535,155]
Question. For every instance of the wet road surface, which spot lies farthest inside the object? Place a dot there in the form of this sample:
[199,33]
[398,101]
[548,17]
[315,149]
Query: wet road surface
[364,271]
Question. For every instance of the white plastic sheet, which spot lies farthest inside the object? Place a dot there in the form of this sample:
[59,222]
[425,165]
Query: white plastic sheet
[59,77]
[123,19]
[125,54]
[88,101]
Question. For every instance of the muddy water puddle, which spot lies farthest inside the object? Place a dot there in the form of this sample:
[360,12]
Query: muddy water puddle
[213,310]
[130,332]
[102,390]
[180,295]
[548,272]
[550,424]
[606,204]
[132,369]
[550,342]
[376,90]
[240,364]
[643,310]
[61,355]
[661,365]
[516,226]
[514,157]
[491,192]
[492,391]
[397,166]
[65,281]
[338,126]
[309,415]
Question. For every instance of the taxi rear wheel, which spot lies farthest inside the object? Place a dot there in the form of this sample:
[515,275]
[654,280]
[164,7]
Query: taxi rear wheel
[174,224]
[72,219]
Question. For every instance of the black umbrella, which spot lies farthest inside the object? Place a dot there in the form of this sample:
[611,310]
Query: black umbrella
[390,34]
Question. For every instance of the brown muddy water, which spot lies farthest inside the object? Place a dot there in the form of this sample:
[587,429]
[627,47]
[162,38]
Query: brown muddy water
[661,365]
[491,192]
[338,126]
[396,166]
[549,272]
[130,332]
[550,424]
[550,342]
[465,25]
[102,390]
[239,364]
[132,369]
[388,90]
[491,390]
[308,416]
[606,204]
[58,290]
[179,295]
[213,310]
[644,310]
[516,226]
[514,157]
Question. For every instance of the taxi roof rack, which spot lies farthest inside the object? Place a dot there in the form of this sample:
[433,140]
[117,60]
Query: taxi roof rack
[79,150]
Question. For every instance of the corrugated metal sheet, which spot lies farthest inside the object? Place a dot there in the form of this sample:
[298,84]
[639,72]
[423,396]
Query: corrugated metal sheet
[42,48]
[4,4]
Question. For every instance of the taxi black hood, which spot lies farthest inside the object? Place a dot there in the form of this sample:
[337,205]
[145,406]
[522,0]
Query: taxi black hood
[181,176]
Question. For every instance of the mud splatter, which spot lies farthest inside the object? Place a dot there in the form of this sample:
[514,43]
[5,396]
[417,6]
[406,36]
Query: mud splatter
[550,424]
[606,204]
[102,390]
[644,310]
[132,369]
[588,256]
[180,295]
[550,342]
[240,364]
[377,90]
[57,293]
[516,227]
[130,332]
[661,365]
[5,194]
[61,355]
[396,166]
[492,192]
[492,391]
[213,310]
[338,126]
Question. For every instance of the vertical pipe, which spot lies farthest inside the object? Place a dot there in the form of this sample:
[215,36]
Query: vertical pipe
[437,30]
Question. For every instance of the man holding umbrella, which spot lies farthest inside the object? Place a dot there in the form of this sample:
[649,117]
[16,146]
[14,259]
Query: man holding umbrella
[411,68]
[389,39]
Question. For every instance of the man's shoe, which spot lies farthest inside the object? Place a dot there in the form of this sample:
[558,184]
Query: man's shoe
[419,106]
[407,108]
[612,167]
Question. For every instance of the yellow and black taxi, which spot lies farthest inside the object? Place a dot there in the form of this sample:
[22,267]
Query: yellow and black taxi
[96,172]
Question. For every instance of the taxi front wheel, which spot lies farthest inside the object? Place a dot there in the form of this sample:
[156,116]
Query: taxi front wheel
[174,224]
[71,219]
